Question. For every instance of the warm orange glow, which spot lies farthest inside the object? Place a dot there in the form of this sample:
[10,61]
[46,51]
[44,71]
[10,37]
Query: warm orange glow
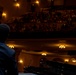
[37,2]
[62,46]
[21,61]
[10,45]
[4,14]
[15,0]
[73,60]
[44,54]
[66,60]
[17,5]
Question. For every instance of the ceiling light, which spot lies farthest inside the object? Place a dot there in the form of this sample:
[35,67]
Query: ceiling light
[62,46]
[44,54]
[11,46]
[37,2]
[17,5]
[21,61]
[66,60]
[73,60]
[4,14]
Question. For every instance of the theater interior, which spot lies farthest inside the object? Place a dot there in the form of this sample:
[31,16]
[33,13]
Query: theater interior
[43,34]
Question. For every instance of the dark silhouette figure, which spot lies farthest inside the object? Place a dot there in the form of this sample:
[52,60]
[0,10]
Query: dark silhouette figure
[33,7]
[8,64]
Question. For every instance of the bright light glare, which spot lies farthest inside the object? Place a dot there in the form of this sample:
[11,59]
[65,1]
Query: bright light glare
[73,60]
[37,2]
[17,5]
[21,61]
[61,46]
[66,60]
[11,46]
[4,14]
[44,54]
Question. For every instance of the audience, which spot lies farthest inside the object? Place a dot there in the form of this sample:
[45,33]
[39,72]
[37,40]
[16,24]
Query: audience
[44,21]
